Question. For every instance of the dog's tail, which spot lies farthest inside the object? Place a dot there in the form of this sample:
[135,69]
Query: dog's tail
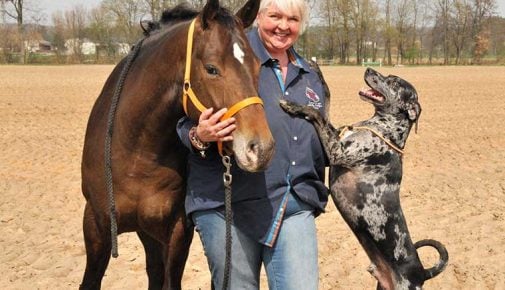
[441,264]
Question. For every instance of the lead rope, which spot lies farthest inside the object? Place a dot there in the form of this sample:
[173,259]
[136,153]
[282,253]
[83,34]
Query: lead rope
[108,141]
[228,215]
[376,133]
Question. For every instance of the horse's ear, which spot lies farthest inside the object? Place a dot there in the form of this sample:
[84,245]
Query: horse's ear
[209,12]
[248,12]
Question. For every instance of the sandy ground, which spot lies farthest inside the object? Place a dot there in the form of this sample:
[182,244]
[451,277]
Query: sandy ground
[453,186]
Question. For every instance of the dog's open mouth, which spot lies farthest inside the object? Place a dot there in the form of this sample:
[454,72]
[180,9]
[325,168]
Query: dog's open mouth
[372,95]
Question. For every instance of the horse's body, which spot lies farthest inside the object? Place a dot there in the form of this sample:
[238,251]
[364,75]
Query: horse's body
[148,160]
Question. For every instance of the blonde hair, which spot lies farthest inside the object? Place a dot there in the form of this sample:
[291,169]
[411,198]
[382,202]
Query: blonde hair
[287,6]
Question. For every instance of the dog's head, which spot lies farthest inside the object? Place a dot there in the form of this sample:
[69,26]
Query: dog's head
[391,95]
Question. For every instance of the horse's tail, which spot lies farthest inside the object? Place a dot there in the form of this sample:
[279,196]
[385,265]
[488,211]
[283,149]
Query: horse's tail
[441,264]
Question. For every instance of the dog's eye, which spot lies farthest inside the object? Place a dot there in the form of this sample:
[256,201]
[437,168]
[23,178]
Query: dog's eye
[393,84]
[212,70]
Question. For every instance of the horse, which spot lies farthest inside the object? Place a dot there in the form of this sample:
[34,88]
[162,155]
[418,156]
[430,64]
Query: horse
[147,159]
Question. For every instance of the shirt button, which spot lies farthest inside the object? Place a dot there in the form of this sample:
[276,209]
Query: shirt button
[286,93]
[295,138]
[293,163]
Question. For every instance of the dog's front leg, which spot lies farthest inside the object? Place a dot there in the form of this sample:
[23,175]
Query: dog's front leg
[327,133]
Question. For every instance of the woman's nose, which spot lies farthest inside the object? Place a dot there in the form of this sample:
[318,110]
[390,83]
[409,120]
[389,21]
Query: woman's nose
[284,23]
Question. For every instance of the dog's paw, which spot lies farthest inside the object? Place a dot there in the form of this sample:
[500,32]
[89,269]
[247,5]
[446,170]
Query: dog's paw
[294,109]
[290,107]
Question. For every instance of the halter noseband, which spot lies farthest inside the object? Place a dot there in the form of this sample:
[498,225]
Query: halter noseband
[187,91]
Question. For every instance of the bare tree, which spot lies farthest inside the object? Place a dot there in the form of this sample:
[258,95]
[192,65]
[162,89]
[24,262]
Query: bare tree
[443,17]
[460,24]
[17,10]
[156,7]
[402,22]
[328,14]
[59,35]
[424,18]
[389,32]
[14,10]
[75,21]
[127,15]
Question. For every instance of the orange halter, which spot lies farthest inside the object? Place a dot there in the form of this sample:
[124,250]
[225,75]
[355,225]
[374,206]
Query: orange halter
[188,91]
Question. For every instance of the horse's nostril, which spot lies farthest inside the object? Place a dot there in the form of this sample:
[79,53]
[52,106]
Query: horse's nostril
[253,147]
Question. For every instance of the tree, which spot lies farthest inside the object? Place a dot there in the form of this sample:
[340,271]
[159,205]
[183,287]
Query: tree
[389,33]
[127,15]
[425,19]
[460,24]
[482,11]
[59,35]
[344,29]
[443,15]
[15,11]
[75,21]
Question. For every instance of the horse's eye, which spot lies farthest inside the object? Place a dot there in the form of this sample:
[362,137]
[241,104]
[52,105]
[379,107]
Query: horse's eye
[211,70]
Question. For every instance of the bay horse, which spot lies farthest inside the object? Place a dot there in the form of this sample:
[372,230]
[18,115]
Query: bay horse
[148,161]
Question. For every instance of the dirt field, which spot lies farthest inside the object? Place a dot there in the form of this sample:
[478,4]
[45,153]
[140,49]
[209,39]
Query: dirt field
[453,187]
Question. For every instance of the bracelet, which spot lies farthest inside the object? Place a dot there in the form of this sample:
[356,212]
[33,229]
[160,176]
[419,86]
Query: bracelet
[197,143]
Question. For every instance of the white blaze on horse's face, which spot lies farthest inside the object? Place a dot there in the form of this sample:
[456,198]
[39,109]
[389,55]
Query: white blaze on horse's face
[238,53]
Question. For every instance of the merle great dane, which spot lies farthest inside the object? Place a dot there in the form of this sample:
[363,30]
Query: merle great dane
[365,176]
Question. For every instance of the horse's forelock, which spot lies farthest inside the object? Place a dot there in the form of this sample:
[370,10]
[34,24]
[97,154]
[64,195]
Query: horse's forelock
[225,18]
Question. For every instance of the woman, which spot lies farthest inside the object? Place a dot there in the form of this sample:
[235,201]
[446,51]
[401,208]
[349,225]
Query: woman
[273,211]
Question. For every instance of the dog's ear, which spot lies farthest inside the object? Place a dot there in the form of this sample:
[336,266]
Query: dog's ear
[413,112]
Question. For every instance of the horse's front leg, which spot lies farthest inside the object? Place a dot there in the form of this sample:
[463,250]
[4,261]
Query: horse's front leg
[177,250]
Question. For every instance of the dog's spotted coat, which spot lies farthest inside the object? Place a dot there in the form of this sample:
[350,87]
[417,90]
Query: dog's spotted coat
[365,178]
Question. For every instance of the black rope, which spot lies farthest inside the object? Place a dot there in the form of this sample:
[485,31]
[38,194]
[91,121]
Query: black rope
[108,140]
[228,215]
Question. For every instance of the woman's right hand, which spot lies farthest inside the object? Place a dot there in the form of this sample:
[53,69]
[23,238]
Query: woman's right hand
[211,129]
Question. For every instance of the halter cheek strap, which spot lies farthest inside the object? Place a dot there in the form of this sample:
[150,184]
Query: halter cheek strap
[187,91]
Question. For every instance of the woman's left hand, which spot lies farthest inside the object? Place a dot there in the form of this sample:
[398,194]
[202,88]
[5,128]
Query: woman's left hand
[211,129]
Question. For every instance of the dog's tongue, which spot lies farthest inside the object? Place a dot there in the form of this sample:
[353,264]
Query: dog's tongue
[372,94]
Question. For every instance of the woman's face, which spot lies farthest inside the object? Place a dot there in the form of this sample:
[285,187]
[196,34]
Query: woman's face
[278,30]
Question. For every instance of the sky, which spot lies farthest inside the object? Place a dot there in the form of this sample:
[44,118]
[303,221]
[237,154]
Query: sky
[50,6]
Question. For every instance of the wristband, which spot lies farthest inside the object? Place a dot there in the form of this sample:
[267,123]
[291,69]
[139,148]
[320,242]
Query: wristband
[197,143]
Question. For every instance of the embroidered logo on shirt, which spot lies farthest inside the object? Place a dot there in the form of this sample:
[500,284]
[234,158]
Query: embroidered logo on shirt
[314,100]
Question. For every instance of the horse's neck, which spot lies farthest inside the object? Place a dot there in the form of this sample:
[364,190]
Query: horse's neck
[150,104]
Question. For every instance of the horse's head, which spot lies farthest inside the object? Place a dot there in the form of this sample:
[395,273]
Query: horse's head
[224,72]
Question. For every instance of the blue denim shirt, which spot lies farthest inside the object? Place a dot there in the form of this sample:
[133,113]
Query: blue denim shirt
[259,199]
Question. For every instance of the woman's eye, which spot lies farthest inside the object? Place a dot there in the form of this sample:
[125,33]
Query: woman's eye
[274,16]
[211,70]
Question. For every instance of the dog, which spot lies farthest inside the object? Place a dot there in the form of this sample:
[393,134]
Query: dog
[365,175]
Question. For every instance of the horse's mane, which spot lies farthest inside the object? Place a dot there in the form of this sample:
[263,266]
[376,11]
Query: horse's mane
[184,12]
[179,13]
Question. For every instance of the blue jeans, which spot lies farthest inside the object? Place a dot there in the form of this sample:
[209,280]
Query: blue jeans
[290,265]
